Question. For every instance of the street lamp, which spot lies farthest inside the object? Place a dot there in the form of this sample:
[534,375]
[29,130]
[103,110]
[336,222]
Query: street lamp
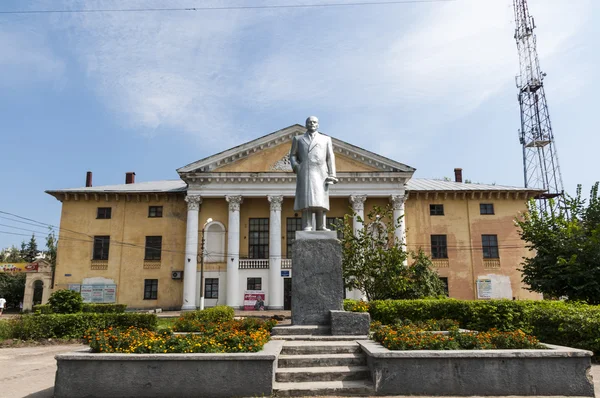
[202,265]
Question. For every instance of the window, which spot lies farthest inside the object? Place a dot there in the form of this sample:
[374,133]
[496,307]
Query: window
[258,244]
[436,210]
[211,288]
[445,283]
[335,224]
[489,244]
[254,284]
[439,246]
[293,224]
[153,247]
[486,208]
[103,213]
[101,246]
[150,289]
[155,211]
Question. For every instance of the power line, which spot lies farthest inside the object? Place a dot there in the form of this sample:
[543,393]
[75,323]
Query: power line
[225,8]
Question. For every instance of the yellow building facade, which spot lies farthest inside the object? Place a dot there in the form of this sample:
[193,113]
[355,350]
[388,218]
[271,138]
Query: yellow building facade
[222,232]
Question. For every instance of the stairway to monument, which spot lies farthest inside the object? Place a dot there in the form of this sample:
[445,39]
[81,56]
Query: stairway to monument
[313,362]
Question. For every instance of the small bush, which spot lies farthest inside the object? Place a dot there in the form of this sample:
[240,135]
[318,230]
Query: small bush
[42,309]
[5,330]
[65,302]
[33,327]
[104,308]
[187,320]
[356,306]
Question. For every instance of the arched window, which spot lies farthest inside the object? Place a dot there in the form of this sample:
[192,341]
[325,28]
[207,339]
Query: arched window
[214,243]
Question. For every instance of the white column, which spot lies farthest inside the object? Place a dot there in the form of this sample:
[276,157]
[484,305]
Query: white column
[190,267]
[275,299]
[398,208]
[233,251]
[358,206]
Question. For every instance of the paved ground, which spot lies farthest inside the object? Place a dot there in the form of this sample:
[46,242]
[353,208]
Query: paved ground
[30,371]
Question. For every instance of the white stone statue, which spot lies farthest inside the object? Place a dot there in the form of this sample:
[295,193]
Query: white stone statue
[313,162]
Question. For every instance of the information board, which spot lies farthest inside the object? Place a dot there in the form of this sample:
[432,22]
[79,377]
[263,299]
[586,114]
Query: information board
[484,288]
[250,298]
[99,293]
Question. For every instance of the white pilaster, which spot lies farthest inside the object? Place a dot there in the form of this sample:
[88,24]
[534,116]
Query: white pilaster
[275,301]
[233,251]
[398,208]
[191,253]
[358,206]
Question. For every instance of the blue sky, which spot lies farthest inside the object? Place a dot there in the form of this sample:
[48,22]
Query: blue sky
[430,85]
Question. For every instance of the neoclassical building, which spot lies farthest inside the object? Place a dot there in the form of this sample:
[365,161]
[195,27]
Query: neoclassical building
[224,230]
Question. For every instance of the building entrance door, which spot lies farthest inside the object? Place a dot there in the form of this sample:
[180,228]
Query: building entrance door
[287,293]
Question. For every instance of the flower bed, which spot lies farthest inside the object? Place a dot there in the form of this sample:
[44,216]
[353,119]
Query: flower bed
[248,335]
[420,337]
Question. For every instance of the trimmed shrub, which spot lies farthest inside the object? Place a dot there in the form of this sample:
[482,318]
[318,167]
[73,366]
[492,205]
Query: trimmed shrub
[553,322]
[74,326]
[104,308]
[65,301]
[220,313]
[42,309]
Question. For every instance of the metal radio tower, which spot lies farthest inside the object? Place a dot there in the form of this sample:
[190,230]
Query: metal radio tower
[540,160]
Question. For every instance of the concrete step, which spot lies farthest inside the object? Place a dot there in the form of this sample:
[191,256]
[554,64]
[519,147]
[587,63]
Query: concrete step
[301,330]
[300,347]
[321,360]
[320,388]
[328,373]
[308,337]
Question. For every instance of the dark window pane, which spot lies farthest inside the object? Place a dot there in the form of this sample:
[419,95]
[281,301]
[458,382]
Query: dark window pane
[211,288]
[293,224]
[155,211]
[486,208]
[439,246]
[104,213]
[436,210]
[101,247]
[258,238]
[254,284]
[150,289]
[153,247]
[489,244]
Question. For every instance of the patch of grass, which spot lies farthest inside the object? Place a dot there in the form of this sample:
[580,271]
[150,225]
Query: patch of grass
[165,323]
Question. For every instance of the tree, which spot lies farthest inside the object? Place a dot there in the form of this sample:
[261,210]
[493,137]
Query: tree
[11,255]
[51,245]
[30,250]
[373,261]
[566,247]
[12,287]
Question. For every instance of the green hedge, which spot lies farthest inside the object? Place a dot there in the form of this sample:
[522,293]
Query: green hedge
[38,326]
[553,322]
[87,307]
[220,313]
[104,308]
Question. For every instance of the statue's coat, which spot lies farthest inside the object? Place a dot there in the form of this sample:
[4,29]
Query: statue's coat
[312,161]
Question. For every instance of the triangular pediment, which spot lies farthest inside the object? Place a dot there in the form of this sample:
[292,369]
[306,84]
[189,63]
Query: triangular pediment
[270,153]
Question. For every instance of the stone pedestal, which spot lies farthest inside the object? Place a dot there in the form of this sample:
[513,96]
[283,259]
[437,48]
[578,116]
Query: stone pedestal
[317,283]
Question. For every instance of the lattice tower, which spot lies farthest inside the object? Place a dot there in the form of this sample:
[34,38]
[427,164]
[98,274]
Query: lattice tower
[540,159]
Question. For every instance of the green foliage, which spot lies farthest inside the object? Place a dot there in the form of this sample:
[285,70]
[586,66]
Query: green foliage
[104,308]
[415,337]
[12,287]
[5,330]
[218,314]
[33,327]
[29,251]
[554,322]
[51,245]
[11,255]
[42,309]
[373,260]
[567,249]
[66,302]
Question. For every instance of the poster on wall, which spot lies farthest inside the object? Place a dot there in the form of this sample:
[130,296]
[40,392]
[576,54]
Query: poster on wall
[253,299]
[99,293]
[19,267]
[484,288]
[76,287]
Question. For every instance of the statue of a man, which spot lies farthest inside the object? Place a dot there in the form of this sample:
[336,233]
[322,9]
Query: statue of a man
[313,162]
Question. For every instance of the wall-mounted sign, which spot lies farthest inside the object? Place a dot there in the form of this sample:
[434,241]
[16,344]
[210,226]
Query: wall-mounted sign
[99,293]
[285,273]
[484,288]
[76,287]
[251,297]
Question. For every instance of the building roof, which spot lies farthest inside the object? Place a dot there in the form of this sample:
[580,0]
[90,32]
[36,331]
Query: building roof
[174,186]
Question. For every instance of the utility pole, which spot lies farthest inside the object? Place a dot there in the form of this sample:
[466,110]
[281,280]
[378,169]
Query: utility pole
[540,159]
